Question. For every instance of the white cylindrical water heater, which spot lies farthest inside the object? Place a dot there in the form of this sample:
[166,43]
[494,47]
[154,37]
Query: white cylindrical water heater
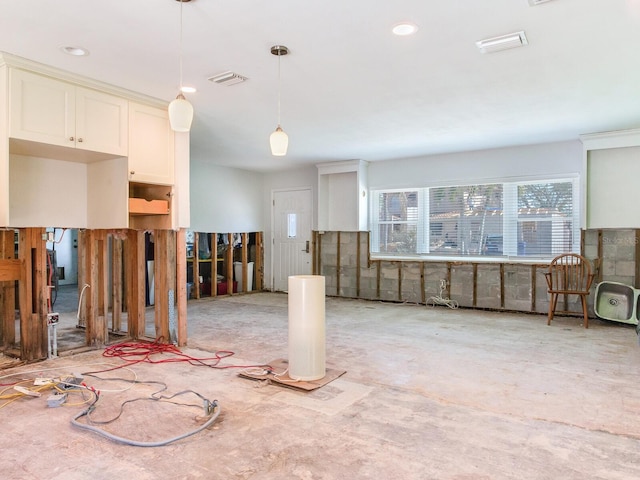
[306,327]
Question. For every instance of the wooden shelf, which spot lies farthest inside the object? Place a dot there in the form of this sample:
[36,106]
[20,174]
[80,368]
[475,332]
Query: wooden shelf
[140,206]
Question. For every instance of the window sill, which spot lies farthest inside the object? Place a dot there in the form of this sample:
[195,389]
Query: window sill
[460,259]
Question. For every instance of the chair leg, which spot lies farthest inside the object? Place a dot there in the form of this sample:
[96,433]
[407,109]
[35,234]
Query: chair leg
[552,307]
[585,310]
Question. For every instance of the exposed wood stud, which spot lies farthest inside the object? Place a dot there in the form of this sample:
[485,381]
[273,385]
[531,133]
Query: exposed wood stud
[338,265]
[534,272]
[245,261]
[378,264]
[600,256]
[13,269]
[196,265]
[214,265]
[229,258]
[636,280]
[474,301]
[502,285]
[181,282]
[116,281]
[358,253]
[423,293]
[259,266]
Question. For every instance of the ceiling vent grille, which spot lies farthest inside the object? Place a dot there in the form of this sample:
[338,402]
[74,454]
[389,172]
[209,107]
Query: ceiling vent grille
[503,42]
[227,78]
[533,3]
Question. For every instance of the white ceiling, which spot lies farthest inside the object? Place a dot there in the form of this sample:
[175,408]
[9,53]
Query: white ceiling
[350,88]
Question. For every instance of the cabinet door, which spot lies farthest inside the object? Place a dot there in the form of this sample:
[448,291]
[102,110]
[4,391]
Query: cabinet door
[101,122]
[151,145]
[42,109]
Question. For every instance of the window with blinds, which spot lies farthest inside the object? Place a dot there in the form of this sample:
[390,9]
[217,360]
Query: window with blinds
[513,219]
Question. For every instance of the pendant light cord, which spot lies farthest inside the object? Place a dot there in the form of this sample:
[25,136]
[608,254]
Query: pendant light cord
[181,2]
[279,87]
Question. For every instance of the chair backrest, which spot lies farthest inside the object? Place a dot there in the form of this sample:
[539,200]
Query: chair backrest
[569,273]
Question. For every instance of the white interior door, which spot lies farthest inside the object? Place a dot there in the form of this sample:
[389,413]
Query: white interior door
[291,236]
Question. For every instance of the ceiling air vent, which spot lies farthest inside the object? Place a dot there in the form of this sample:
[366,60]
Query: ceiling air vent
[227,78]
[533,3]
[503,42]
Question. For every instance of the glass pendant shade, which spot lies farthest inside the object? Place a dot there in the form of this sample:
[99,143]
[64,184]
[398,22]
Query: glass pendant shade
[279,142]
[180,114]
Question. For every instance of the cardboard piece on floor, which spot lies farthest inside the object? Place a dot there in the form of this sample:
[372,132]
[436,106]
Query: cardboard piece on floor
[280,365]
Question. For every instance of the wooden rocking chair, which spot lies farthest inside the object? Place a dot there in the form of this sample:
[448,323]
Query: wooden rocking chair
[569,274]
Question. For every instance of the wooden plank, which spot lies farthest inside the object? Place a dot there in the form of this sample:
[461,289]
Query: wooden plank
[259,266]
[100,329]
[33,298]
[474,296]
[533,287]
[135,274]
[245,261]
[358,264]
[8,291]
[636,280]
[338,265]
[423,293]
[502,285]
[116,283]
[181,282]
[92,294]
[196,264]
[214,264]
[229,259]
[161,267]
[83,279]
[11,270]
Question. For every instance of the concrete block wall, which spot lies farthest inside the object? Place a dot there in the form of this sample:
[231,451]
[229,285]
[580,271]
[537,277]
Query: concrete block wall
[344,260]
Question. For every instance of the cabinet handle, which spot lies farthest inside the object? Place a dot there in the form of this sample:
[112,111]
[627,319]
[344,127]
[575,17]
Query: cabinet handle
[132,172]
[306,249]
[80,140]
[71,139]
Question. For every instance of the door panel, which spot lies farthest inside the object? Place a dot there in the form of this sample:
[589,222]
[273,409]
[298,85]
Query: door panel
[291,236]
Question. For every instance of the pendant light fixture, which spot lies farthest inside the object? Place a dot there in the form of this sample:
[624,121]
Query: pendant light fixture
[279,140]
[180,110]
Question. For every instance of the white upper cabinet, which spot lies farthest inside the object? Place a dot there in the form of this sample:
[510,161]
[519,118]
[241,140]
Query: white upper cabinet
[55,112]
[151,145]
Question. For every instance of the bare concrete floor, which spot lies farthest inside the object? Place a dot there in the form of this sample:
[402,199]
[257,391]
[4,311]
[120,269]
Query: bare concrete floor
[429,393]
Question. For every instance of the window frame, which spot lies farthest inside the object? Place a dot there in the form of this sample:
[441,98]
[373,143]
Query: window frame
[511,219]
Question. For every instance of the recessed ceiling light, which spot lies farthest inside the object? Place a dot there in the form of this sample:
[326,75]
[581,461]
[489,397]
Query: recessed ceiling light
[186,89]
[405,28]
[75,51]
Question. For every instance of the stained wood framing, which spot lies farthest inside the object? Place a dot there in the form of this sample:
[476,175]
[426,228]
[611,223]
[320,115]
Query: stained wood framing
[135,273]
[33,295]
[534,271]
[636,281]
[214,264]
[358,253]
[474,300]
[338,265]
[181,281]
[116,283]
[259,266]
[11,270]
[229,260]
[164,281]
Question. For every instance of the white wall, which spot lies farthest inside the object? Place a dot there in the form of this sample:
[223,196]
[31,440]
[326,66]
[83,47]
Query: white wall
[225,199]
[465,167]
